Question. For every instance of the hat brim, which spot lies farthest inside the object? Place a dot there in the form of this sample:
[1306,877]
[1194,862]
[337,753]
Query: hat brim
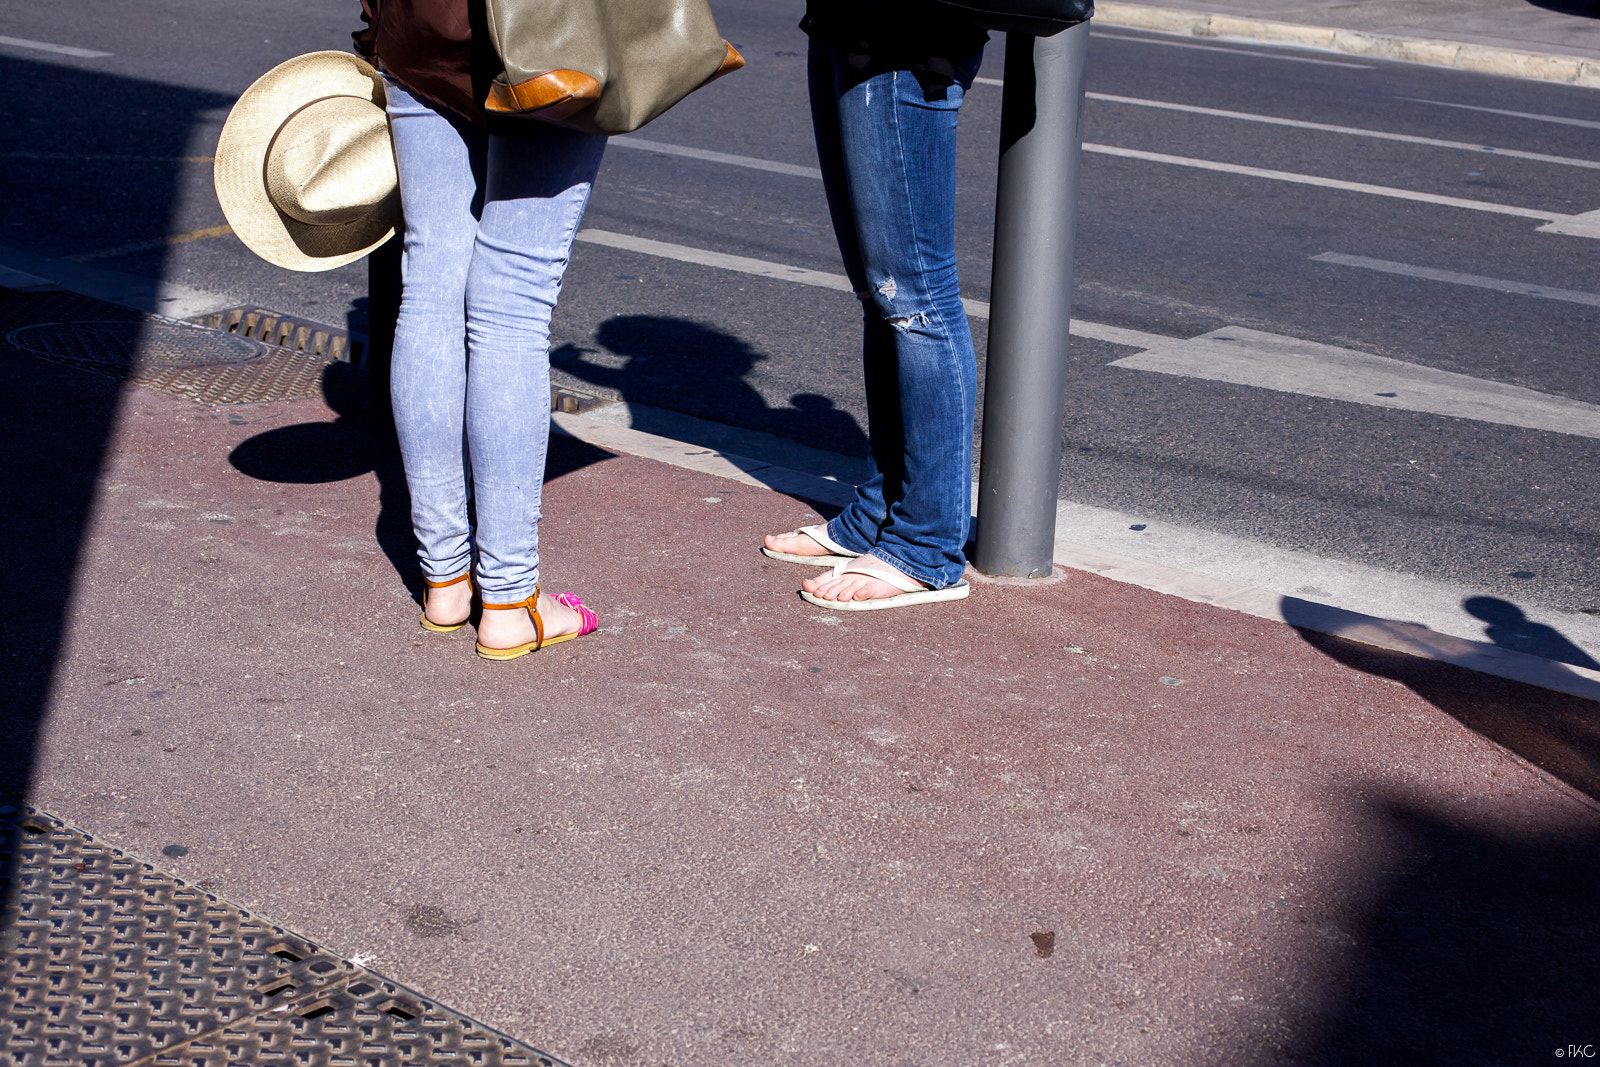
[240,167]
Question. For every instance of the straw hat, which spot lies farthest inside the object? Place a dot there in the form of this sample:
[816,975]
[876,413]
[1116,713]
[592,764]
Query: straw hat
[305,168]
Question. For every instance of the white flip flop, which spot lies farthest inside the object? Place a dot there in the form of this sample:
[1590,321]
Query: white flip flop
[819,534]
[911,592]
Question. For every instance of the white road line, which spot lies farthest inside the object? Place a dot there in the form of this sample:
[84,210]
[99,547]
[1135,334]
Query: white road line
[761,268]
[172,299]
[1584,225]
[57,49]
[1587,124]
[1333,183]
[1377,135]
[1235,51]
[21,280]
[1477,281]
[1240,356]
[640,143]
[1289,365]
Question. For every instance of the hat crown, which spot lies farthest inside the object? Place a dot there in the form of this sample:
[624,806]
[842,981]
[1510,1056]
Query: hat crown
[331,162]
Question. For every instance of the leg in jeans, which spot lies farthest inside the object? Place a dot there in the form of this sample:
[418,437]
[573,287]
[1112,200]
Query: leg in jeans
[538,184]
[490,223]
[886,141]
[440,158]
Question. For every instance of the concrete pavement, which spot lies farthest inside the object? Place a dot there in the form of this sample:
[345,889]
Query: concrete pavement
[1076,822]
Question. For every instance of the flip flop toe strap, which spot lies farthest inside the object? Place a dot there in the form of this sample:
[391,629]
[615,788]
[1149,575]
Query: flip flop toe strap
[819,534]
[889,574]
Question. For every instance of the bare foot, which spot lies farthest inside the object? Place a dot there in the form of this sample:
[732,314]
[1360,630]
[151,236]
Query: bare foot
[858,586]
[796,544]
[508,629]
[450,605]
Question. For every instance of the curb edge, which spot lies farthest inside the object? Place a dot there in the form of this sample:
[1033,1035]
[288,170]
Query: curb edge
[1407,638]
[1458,55]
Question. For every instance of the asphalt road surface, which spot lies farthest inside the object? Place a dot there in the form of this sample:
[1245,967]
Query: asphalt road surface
[1265,196]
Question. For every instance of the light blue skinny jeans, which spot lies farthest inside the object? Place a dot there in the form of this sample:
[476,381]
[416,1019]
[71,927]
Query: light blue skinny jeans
[887,145]
[490,220]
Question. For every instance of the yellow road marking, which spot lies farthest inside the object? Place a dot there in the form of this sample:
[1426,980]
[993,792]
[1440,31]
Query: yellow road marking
[151,245]
[199,235]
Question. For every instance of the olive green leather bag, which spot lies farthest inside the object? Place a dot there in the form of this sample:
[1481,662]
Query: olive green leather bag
[602,66]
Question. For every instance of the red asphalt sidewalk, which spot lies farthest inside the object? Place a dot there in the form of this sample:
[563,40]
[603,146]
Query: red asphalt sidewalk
[1068,823]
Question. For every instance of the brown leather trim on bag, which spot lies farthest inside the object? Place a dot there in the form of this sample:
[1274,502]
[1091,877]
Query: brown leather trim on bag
[730,63]
[552,96]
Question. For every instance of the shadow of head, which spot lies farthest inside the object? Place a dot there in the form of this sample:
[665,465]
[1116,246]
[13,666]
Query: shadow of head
[669,363]
[310,453]
[692,369]
[1557,732]
[684,346]
[1510,628]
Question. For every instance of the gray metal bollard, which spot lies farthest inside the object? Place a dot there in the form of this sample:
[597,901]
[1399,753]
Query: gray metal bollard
[1041,145]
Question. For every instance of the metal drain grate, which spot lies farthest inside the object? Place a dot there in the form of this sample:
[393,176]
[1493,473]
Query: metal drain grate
[106,960]
[286,331]
[245,355]
[154,344]
[184,359]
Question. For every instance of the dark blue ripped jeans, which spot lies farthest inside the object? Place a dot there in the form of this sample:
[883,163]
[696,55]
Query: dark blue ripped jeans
[887,144]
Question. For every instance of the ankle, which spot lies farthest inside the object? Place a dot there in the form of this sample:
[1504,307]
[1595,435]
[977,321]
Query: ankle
[449,603]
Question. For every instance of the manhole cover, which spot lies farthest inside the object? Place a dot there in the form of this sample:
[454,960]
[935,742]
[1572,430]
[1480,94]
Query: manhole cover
[129,345]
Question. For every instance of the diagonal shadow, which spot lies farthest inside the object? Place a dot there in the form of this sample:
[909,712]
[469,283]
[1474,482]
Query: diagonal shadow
[1554,731]
[73,179]
[1582,8]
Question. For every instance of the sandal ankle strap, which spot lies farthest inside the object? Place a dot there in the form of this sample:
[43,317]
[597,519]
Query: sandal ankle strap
[532,604]
[465,576]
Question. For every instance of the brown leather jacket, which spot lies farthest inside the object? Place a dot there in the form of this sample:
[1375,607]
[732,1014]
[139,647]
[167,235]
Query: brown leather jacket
[437,48]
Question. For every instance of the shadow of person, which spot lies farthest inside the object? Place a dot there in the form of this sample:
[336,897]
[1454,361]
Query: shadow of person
[1480,945]
[676,364]
[683,366]
[1554,731]
[1510,628]
[313,453]
[816,417]
[357,441]
[352,444]
[78,181]
[1582,8]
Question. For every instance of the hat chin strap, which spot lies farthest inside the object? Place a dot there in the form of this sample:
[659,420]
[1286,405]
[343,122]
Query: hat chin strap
[331,162]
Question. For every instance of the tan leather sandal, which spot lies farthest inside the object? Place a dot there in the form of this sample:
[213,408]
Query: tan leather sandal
[588,623]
